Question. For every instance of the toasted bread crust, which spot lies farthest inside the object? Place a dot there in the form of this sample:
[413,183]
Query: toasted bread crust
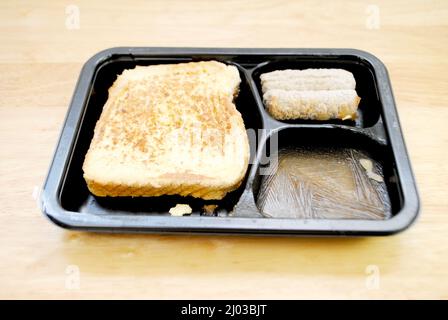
[196,190]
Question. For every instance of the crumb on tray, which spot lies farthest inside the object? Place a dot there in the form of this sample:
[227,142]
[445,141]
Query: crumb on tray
[368,166]
[180,210]
[209,209]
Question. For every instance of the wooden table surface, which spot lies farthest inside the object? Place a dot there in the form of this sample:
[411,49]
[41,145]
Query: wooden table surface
[44,45]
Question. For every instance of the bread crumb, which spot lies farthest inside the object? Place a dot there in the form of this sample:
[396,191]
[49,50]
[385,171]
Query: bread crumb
[209,209]
[368,166]
[180,209]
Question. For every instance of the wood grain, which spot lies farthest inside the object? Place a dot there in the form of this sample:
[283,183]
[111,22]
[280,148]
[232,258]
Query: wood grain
[39,64]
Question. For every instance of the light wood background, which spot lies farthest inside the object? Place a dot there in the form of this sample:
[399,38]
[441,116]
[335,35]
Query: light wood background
[40,58]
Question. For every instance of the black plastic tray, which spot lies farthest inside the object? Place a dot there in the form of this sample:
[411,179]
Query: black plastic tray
[68,203]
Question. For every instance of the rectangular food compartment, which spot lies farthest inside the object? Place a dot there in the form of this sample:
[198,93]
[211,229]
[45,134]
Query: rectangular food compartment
[74,193]
[326,173]
[376,133]
[369,109]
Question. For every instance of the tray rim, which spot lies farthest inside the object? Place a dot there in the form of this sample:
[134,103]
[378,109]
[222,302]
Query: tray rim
[52,208]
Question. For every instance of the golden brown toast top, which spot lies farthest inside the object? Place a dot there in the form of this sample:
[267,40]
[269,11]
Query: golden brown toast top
[172,123]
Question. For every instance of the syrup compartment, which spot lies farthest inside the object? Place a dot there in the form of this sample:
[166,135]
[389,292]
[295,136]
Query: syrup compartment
[75,196]
[369,109]
[329,180]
